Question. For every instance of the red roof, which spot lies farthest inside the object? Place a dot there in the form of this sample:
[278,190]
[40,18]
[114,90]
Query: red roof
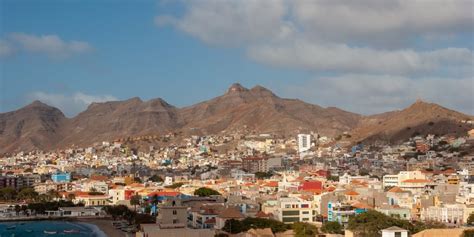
[311,185]
[273,184]
[165,194]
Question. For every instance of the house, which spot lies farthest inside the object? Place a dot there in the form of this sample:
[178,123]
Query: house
[291,209]
[172,215]
[92,200]
[227,214]
[79,211]
[153,230]
[394,231]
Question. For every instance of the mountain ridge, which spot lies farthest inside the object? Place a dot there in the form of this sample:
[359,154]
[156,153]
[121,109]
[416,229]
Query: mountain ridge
[258,109]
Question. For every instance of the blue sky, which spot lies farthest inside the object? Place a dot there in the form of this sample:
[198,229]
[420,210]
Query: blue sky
[70,53]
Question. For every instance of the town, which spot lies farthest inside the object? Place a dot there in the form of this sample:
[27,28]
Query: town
[250,185]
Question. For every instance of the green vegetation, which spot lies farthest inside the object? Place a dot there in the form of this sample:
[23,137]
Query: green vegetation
[175,185]
[135,200]
[470,219]
[372,222]
[235,226]
[205,192]
[42,207]
[26,194]
[155,178]
[263,175]
[332,227]
[122,212]
[302,229]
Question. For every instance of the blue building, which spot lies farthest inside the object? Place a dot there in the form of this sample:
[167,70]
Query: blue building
[61,177]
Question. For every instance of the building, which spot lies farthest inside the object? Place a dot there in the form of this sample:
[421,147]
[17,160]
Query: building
[92,200]
[153,230]
[11,182]
[228,214]
[61,177]
[340,213]
[295,210]
[304,142]
[255,164]
[452,214]
[172,215]
[394,231]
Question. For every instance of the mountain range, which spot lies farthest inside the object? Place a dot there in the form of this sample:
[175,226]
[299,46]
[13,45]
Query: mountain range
[257,110]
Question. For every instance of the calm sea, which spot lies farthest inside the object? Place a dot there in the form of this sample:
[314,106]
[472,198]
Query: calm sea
[38,228]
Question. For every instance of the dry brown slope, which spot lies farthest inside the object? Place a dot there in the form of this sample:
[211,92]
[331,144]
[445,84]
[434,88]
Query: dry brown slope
[259,110]
[119,119]
[419,118]
[36,125]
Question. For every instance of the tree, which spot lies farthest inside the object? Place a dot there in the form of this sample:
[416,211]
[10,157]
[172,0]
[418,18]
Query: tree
[332,227]
[71,196]
[7,194]
[175,185]
[470,219]
[135,200]
[302,229]
[137,180]
[116,211]
[53,194]
[205,192]
[372,222]
[17,209]
[27,194]
[263,175]
[235,226]
[155,178]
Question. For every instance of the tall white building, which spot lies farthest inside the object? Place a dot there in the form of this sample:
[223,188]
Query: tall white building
[304,142]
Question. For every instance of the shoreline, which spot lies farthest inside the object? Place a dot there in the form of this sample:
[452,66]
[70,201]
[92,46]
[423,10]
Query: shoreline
[101,226]
[105,225]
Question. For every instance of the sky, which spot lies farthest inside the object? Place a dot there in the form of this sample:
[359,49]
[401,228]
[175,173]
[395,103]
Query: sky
[367,56]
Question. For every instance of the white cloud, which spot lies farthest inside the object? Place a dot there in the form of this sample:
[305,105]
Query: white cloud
[342,58]
[70,104]
[232,22]
[382,22]
[6,49]
[367,36]
[51,45]
[371,94]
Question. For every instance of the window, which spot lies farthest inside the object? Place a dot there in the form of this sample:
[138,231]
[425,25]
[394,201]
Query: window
[306,212]
[304,205]
[398,234]
[175,222]
[175,212]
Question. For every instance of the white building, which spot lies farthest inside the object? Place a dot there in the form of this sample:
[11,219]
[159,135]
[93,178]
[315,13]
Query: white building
[304,142]
[398,179]
[394,231]
[295,210]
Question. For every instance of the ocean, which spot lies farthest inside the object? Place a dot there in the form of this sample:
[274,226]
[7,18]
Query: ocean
[49,229]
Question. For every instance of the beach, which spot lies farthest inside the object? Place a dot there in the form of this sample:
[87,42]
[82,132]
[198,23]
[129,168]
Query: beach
[106,226]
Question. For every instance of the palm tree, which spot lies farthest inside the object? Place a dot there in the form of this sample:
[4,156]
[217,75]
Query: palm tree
[71,196]
[53,194]
[135,200]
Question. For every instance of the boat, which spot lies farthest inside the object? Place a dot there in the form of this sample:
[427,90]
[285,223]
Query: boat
[12,227]
[50,232]
[71,231]
[29,230]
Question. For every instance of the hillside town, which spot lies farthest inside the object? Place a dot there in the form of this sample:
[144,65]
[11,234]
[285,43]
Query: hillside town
[250,185]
